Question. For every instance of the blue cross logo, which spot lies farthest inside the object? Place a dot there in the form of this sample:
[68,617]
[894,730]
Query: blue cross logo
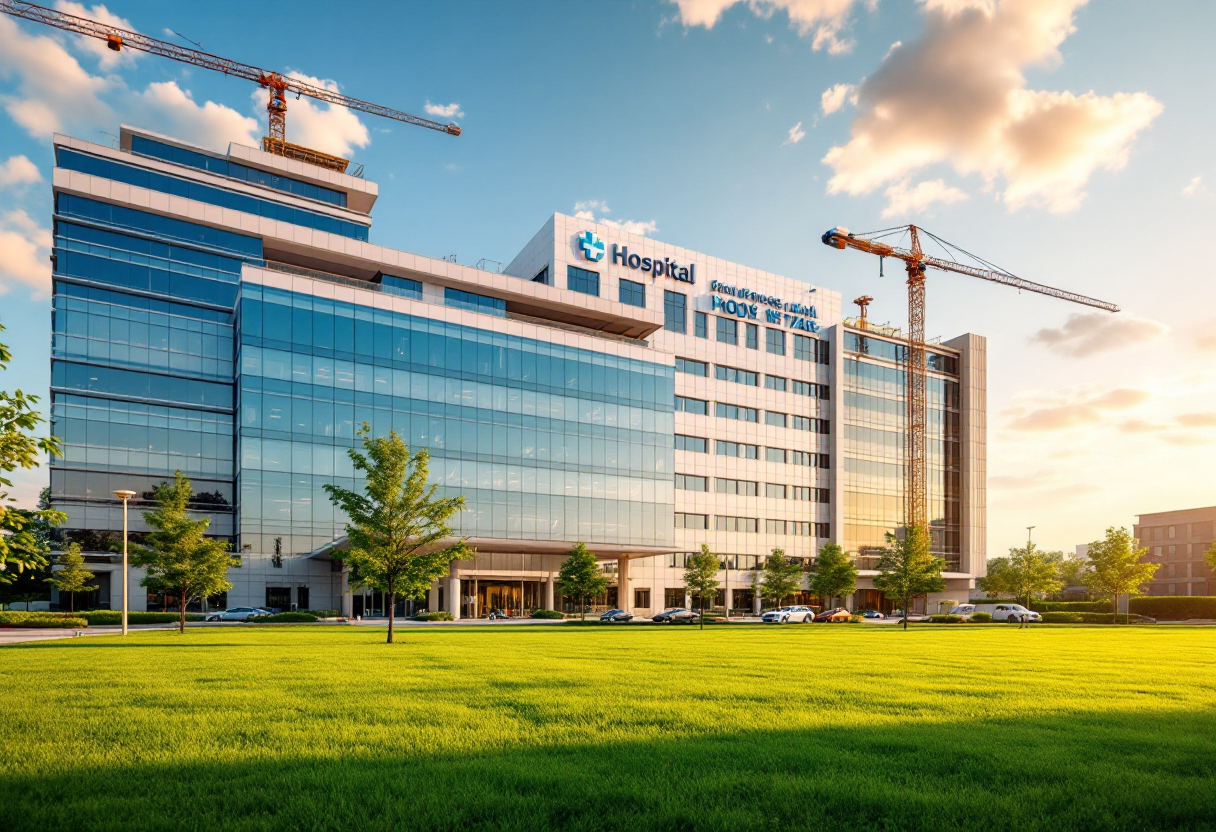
[592,246]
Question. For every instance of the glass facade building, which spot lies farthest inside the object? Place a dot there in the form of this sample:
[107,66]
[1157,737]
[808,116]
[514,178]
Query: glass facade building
[226,315]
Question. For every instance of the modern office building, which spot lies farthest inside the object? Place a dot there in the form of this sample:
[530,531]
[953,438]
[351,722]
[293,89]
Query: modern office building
[227,316]
[1177,540]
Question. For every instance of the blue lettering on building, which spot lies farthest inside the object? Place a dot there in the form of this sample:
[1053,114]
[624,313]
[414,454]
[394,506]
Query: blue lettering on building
[793,315]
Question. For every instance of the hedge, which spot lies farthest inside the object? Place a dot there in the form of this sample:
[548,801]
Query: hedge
[1089,618]
[947,619]
[547,614]
[1072,606]
[980,617]
[284,618]
[13,618]
[108,617]
[1174,607]
[433,616]
[323,613]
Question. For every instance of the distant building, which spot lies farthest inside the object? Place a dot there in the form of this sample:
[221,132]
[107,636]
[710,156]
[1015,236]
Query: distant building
[1177,541]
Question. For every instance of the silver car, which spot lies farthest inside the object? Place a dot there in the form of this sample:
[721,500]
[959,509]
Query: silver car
[789,615]
[237,614]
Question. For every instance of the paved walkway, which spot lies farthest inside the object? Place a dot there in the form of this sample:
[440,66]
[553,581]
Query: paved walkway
[18,635]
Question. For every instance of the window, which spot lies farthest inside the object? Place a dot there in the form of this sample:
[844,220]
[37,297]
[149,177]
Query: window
[736,524]
[802,458]
[1172,531]
[693,368]
[823,530]
[690,482]
[813,349]
[632,293]
[675,312]
[701,324]
[802,423]
[641,598]
[158,226]
[279,597]
[401,286]
[692,444]
[737,449]
[687,405]
[474,303]
[741,488]
[582,280]
[774,419]
[734,411]
[774,491]
[542,276]
[811,389]
[728,331]
[774,341]
[774,454]
[799,528]
[691,521]
[775,383]
[825,425]
[803,492]
[822,460]
[737,376]
[753,336]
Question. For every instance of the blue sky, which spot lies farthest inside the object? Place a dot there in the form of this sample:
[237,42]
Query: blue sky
[1068,142]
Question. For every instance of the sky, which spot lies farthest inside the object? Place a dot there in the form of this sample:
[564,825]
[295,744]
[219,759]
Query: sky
[1068,142]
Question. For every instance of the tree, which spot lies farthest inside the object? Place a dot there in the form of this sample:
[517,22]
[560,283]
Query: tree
[907,569]
[1071,570]
[701,577]
[581,577]
[72,576]
[400,540]
[834,575]
[1116,567]
[782,577]
[1210,557]
[1031,573]
[178,556]
[999,580]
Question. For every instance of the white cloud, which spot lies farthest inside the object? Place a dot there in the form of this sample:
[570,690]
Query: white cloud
[1195,187]
[958,97]
[329,128]
[586,210]
[903,200]
[444,110]
[835,96]
[104,55]
[18,170]
[824,20]
[210,125]
[1084,410]
[1088,333]
[25,249]
[796,134]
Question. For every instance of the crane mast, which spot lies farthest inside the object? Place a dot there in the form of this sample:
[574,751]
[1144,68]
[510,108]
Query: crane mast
[916,262]
[276,84]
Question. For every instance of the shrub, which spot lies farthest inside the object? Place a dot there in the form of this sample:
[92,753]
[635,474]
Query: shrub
[1174,607]
[1065,617]
[1072,606]
[114,617]
[547,614]
[980,617]
[323,613]
[948,618]
[433,616]
[856,619]
[14,618]
[1091,618]
[284,618]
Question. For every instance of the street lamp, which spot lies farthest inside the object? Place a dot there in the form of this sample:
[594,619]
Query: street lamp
[124,496]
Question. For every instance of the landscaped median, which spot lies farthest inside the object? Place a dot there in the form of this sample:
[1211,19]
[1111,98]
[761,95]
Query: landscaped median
[41,620]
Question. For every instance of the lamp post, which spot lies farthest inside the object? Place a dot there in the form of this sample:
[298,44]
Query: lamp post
[124,496]
[1029,535]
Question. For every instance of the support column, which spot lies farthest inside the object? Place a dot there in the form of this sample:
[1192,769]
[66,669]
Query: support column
[432,598]
[347,597]
[624,590]
[454,597]
[756,602]
[730,594]
[549,592]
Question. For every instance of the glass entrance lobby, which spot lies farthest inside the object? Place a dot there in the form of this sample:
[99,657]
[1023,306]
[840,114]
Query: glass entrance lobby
[514,598]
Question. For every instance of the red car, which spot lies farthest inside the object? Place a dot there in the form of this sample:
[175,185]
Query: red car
[834,614]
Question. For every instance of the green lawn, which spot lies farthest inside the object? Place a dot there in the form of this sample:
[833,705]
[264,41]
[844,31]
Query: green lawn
[817,728]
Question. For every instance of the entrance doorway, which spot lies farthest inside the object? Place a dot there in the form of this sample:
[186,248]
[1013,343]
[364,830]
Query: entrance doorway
[514,598]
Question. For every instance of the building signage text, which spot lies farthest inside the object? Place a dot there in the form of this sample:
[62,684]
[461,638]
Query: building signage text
[792,315]
[655,266]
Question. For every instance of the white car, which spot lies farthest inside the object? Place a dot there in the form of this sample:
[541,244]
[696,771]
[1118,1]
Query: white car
[237,614]
[1006,611]
[789,615]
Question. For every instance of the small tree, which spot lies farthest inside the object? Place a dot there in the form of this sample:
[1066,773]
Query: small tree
[701,577]
[834,575]
[400,541]
[907,569]
[1116,565]
[72,577]
[178,556]
[1209,557]
[1071,570]
[1031,573]
[999,580]
[581,577]
[782,577]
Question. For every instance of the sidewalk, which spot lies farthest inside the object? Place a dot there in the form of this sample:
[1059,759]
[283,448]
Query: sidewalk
[20,635]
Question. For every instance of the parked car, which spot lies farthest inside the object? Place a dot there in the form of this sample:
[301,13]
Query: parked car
[616,617]
[874,614]
[1004,611]
[834,614]
[677,615]
[789,615]
[911,617]
[239,614]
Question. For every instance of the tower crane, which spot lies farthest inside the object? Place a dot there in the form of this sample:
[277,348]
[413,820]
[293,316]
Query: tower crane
[916,263]
[277,84]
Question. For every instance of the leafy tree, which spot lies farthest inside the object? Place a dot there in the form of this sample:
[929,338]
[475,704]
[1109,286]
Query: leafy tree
[400,540]
[834,575]
[999,580]
[1209,557]
[1116,567]
[72,576]
[701,577]
[178,556]
[1071,570]
[782,576]
[581,577]
[1031,573]
[907,569]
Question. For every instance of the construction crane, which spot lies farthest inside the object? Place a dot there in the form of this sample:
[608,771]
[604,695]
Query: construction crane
[276,84]
[916,262]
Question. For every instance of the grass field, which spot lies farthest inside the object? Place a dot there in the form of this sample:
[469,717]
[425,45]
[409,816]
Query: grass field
[552,728]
